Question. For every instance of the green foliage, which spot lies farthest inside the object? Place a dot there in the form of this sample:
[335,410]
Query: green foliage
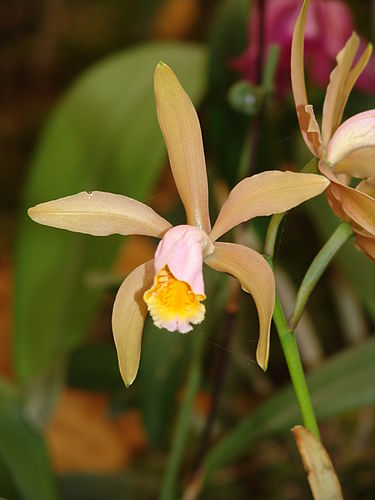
[343,383]
[358,269]
[163,363]
[226,128]
[22,451]
[104,135]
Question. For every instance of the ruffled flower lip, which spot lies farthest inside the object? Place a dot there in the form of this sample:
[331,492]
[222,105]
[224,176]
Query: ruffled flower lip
[172,303]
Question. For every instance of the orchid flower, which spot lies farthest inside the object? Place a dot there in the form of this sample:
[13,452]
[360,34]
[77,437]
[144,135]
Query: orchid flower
[344,151]
[324,37]
[171,285]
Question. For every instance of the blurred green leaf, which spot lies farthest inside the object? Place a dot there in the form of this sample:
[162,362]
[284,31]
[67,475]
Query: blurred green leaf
[165,357]
[104,135]
[358,269]
[94,366]
[22,450]
[132,484]
[163,363]
[226,128]
[343,383]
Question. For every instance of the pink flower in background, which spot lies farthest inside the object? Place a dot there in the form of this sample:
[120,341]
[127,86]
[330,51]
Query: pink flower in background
[329,25]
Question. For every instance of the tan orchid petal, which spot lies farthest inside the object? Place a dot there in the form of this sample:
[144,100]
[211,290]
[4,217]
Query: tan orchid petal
[320,471]
[100,214]
[350,204]
[358,207]
[265,194]
[305,113]
[182,134]
[128,316]
[367,186]
[313,129]
[342,80]
[256,277]
[335,204]
[366,245]
[358,132]
[360,164]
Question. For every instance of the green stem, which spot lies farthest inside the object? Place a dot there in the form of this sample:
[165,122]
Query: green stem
[273,227]
[316,269]
[168,487]
[270,67]
[297,375]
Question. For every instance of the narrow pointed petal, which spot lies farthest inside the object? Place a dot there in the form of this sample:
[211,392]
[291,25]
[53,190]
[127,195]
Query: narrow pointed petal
[256,277]
[353,205]
[355,133]
[100,214]
[129,313]
[265,194]
[342,80]
[359,164]
[304,112]
[182,134]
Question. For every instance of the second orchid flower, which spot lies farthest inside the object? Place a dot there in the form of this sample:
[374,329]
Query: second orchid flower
[345,151]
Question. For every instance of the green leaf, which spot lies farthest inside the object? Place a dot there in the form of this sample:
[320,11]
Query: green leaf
[104,135]
[22,450]
[358,269]
[163,363]
[226,127]
[343,383]
[165,357]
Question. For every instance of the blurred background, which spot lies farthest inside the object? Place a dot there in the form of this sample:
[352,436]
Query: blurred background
[77,114]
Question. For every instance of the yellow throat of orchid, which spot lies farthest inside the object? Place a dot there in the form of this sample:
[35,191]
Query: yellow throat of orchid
[173,304]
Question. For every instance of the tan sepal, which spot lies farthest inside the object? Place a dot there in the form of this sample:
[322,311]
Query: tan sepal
[256,277]
[128,316]
[182,134]
[356,205]
[321,474]
[341,82]
[298,80]
[100,214]
[366,245]
[265,194]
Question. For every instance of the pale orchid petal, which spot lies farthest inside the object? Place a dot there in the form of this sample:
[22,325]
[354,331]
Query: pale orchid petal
[100,214]
[359,164]
[129,313]
[342,80]
[366,245]
[306,119]
[182,134]
[352,204]
[256,277]
[265,194]
[355,133]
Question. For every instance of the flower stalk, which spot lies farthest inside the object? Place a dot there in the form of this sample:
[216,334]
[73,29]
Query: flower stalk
[297,375]
[317,268]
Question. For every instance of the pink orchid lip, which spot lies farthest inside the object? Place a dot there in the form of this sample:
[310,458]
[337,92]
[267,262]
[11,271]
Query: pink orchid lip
[182,249]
